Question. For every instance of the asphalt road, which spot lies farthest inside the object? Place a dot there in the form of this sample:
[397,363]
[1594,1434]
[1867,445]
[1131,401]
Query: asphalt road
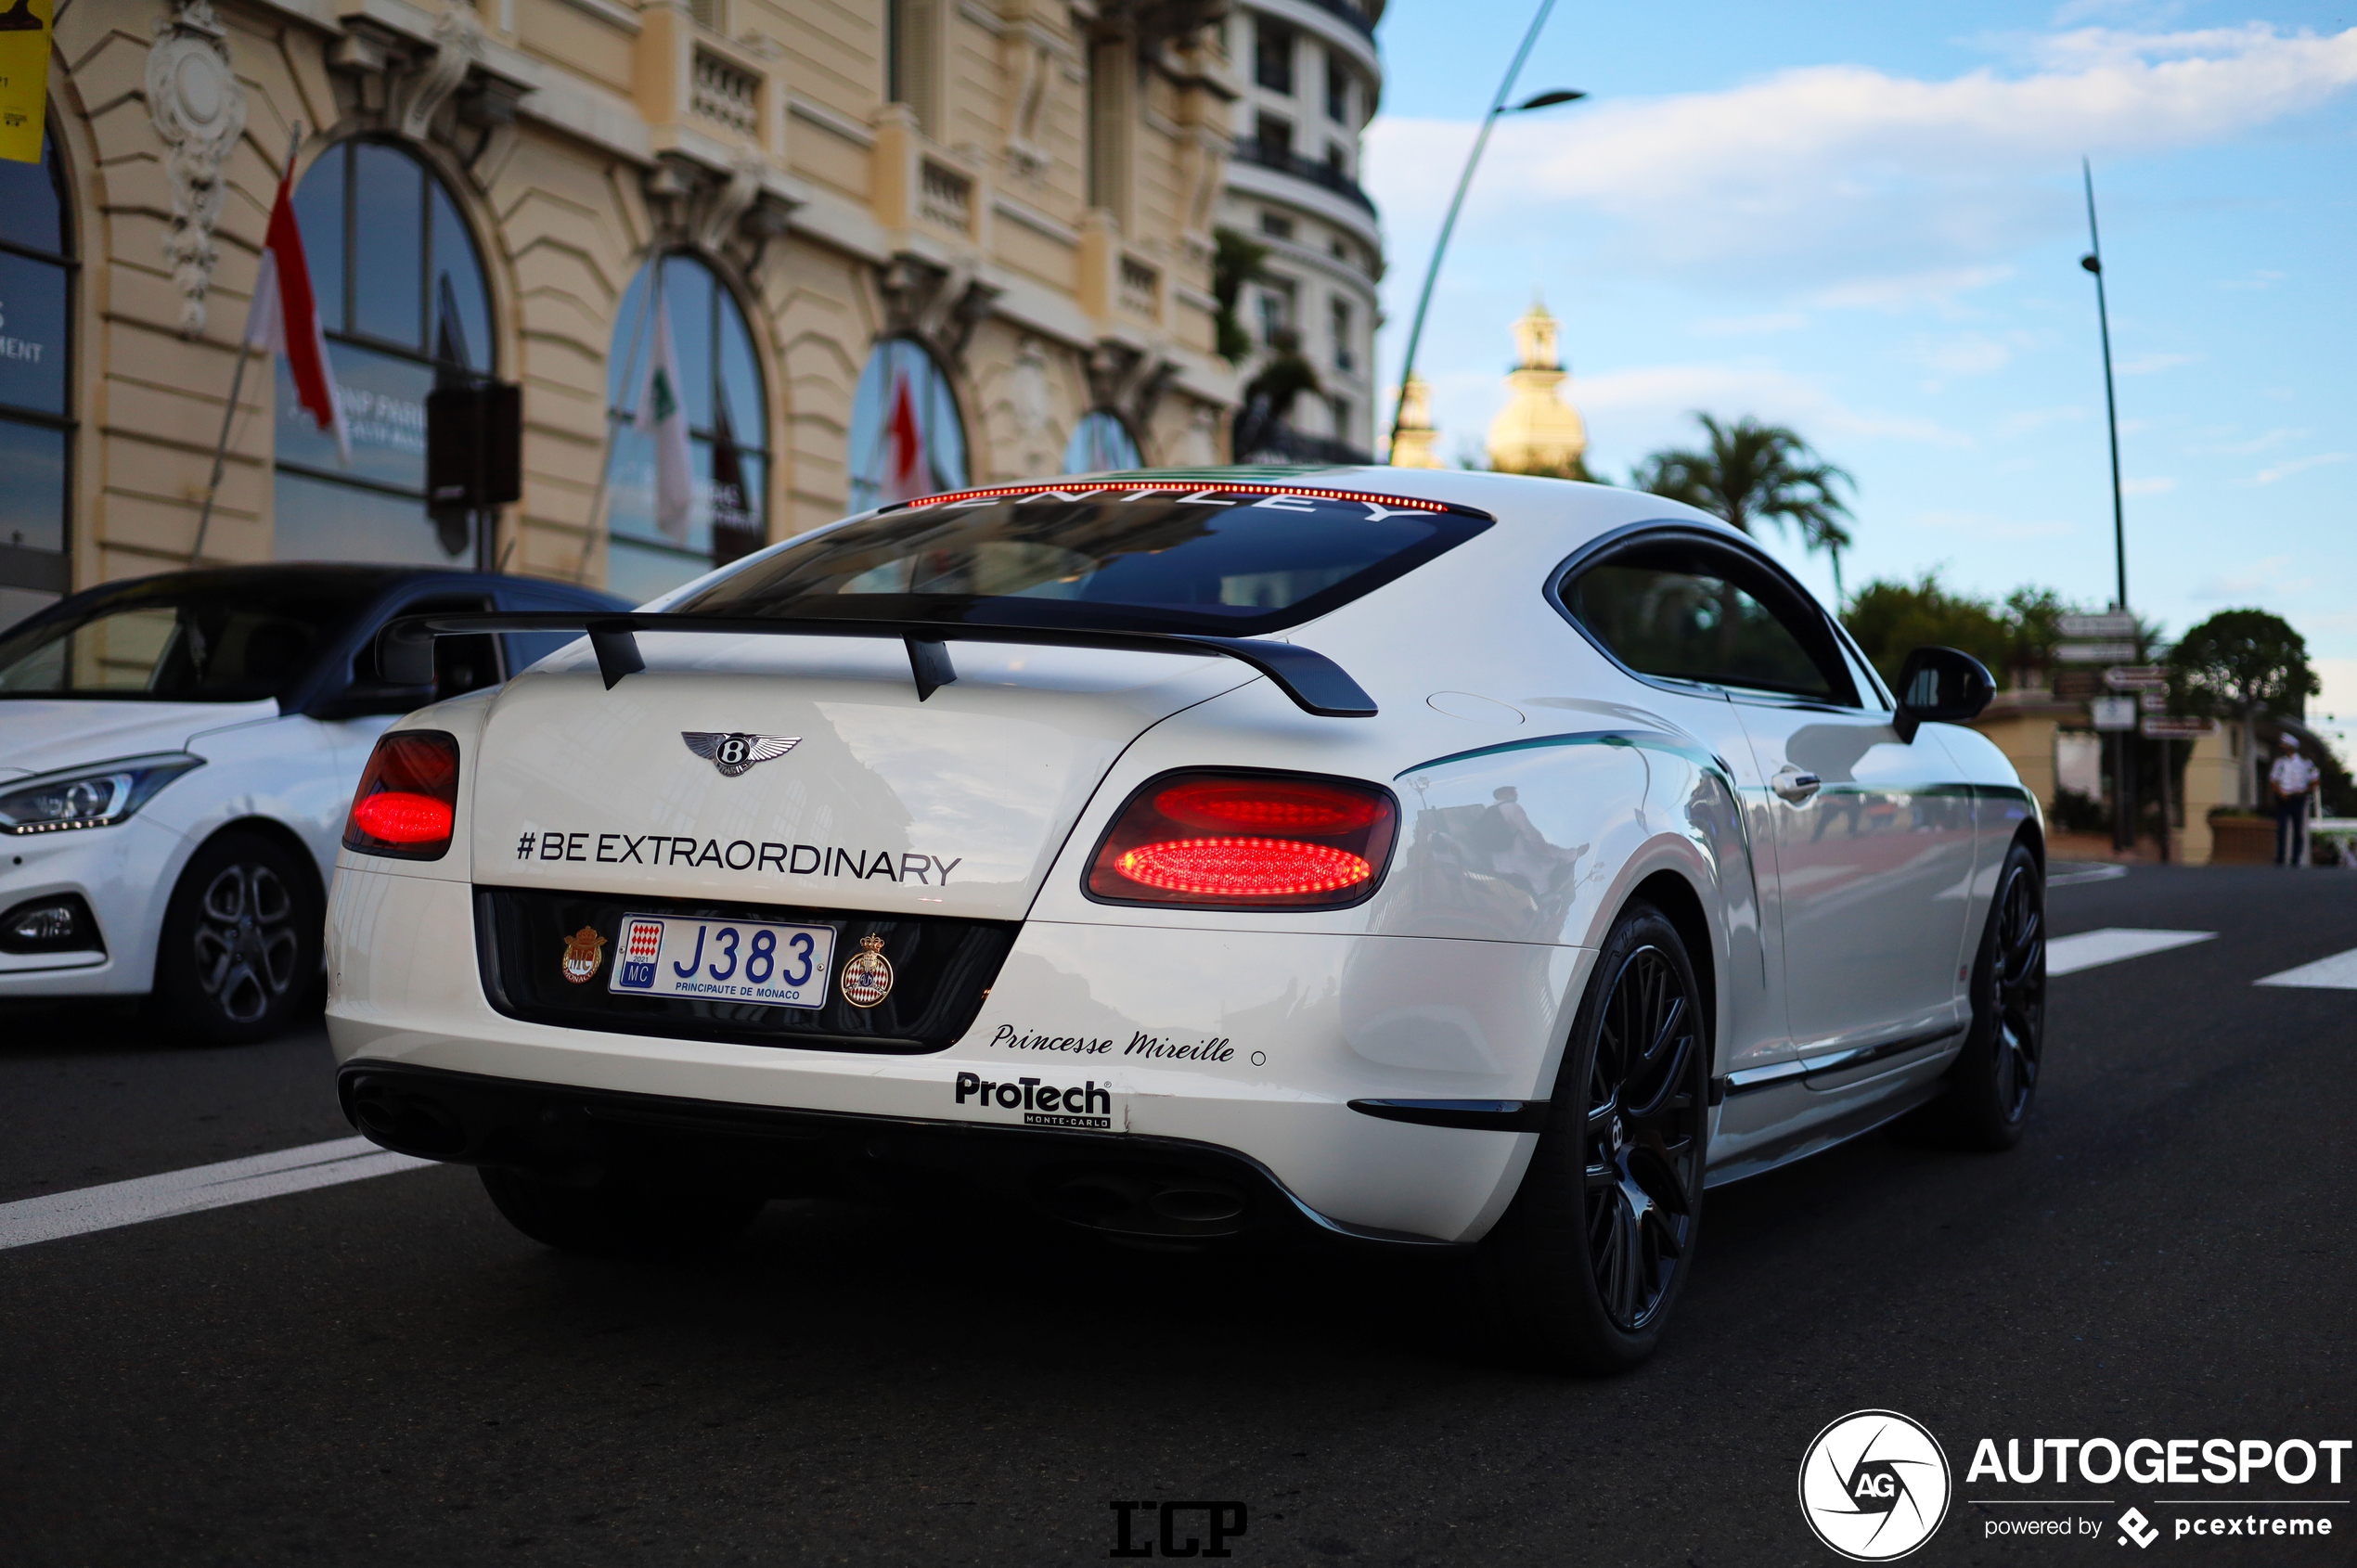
[382,1372]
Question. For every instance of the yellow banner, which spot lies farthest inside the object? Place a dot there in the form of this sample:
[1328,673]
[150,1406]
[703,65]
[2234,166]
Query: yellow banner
[24,77]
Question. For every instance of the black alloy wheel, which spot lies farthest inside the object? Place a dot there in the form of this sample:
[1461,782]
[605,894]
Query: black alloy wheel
[1994,1080]
[1643,1138]
[1582,1270]
[240,944]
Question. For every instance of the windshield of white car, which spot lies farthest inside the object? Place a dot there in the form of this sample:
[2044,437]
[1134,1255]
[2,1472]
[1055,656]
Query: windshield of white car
[167,641]
[1177,558]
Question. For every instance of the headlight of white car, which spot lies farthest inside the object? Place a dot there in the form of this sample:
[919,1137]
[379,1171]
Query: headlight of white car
[97,796]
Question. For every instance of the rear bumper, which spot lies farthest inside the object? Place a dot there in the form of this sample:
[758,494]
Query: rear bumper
[1125,1184]
[1206,1051]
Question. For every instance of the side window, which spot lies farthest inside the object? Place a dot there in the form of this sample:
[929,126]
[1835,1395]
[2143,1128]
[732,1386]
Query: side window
[1684,609]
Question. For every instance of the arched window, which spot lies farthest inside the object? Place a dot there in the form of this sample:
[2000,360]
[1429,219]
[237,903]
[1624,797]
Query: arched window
[907,439]
[728,421]
[406,309]
[1100,444]
[36,296]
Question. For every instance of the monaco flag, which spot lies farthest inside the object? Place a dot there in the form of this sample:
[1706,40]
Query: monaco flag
[285,318]
[905,478]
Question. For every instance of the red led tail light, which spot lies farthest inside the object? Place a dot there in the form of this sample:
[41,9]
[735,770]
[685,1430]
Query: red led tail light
[408,796]
[1246,840]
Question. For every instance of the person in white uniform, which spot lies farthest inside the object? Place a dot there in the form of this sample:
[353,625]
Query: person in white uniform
[2294,777]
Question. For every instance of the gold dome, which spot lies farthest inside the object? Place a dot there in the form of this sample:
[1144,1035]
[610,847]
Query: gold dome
[1412,447]
[1537,431]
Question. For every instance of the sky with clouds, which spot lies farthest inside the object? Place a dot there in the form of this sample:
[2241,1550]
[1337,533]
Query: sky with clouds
[1864,221]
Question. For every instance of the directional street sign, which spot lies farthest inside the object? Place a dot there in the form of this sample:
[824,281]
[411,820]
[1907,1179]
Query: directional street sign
[2112,623]
[2094,652]
[2114,713]
[2153,701]
[2166,726]
[2136,678]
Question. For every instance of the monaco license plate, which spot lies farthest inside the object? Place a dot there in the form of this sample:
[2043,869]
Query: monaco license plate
[724,960]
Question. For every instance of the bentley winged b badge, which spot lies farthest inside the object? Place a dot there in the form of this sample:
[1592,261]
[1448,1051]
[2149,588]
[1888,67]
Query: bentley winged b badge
[733,753]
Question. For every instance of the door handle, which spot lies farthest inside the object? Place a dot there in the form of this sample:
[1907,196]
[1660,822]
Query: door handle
[1797,786]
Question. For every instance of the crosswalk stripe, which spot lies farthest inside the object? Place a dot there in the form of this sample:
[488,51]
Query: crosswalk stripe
[85,1209]
[2066,954]
[2335,973]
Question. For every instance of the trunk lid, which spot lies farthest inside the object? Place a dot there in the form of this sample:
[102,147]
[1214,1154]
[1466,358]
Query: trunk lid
[954,806]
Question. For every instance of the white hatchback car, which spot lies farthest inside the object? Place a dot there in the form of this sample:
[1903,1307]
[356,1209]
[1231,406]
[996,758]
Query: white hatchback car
[177,754]
[1441,860]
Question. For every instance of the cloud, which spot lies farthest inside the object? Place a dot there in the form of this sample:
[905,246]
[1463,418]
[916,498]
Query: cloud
[1747,325]
[1842,166]
[2152,364]
[1899,291]
[1981,526]
[2255,445]
[1972,353]
[1732,392]
[2146,486]
[2269,575]
[2029,419]
[2258,280]
[2298,464]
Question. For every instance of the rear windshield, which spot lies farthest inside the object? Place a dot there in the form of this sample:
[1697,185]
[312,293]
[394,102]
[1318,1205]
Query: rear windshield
[178,642]
[1174,559]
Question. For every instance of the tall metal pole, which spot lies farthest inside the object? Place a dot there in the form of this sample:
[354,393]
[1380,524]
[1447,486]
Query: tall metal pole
[2124,770]
[2094,263]
[1465,181]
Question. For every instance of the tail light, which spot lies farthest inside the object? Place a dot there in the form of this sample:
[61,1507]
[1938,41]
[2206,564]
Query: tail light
[408,796]
[1250,841]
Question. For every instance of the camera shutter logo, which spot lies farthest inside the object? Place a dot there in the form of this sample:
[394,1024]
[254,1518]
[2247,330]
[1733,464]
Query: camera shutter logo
[1875,1486]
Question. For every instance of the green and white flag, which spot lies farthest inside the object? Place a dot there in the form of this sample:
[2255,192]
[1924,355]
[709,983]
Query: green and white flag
[665,416]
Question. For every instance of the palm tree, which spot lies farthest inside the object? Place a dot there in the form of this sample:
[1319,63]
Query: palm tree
[1752,472]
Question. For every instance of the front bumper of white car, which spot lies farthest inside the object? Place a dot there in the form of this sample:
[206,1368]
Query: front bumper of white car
[1139,1080]
[122,874]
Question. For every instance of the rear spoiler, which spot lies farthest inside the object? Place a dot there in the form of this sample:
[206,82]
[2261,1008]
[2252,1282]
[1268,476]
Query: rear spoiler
[1316,684]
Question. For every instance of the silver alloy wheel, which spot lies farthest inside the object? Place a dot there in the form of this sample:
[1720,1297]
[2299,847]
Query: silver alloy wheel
[246,946]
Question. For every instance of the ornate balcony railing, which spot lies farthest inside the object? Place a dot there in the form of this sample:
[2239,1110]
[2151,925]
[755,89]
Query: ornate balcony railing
[1284,161]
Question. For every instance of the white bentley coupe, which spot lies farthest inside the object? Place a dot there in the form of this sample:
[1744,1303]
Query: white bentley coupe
[1428,859]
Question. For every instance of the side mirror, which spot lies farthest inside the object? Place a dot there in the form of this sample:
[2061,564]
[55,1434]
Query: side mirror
[1940,686]
[364,698]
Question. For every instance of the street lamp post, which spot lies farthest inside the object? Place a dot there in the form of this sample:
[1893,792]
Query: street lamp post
[2123,771]
[1497,107]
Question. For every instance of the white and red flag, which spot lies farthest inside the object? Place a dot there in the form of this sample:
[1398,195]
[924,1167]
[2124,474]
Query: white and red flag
[904,475]
[285,318]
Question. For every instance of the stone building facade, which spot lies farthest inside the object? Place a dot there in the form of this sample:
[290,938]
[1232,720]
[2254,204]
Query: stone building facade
[896,244]
[1310,79]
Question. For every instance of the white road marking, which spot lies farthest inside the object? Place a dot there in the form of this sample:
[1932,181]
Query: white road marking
[87,1209]
[2070,873]
[2109,945]
[2335,973]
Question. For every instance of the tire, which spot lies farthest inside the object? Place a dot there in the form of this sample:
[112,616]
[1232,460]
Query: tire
[620,1216]
[1994,1081]
[1581,1272]
[238,957]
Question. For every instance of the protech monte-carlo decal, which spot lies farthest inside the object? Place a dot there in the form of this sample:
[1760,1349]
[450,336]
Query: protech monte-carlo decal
[1035,1102]
[733,854]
